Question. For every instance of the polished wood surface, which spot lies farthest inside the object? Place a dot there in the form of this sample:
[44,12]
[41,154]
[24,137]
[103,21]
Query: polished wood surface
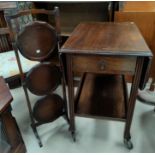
[109,48]
[107,38]
[43,79]
[5,95]
[43,40]
[38,39]
[9,124]
[105,97]
[108,64]
[12,133]
[48,108]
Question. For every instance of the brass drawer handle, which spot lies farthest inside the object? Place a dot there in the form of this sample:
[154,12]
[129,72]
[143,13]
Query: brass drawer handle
[102,65]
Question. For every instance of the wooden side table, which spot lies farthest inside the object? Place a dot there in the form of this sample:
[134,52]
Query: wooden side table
[105,53]
[9,126]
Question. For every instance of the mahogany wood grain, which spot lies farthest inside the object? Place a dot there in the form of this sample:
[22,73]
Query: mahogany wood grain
[105,97]
[5,95]
[123,48]
[48,108]
[12,132]
[108,64]
[43,40]
[70,93]
[133,95]
[9,124]
[43,79]
[106,38]
[38,40]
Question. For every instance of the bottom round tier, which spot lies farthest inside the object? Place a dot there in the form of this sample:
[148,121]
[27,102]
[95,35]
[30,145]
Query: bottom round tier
[48,108]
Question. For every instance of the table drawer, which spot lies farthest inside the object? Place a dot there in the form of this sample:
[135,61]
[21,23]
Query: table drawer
[101,64]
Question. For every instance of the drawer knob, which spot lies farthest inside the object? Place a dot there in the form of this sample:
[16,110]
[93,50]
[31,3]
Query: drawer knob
[102,65]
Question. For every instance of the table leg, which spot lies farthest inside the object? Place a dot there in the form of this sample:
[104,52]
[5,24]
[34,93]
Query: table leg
[71,95]
[63,81]
[131,102]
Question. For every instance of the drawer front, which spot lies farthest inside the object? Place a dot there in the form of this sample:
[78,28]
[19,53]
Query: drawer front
[104,64]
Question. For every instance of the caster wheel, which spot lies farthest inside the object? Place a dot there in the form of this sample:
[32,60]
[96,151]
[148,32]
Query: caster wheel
[128,144]
[73,136]
[40,144]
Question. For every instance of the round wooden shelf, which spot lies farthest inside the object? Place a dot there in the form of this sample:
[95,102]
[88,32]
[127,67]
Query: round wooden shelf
[48,108]
[37,41]
[43,78]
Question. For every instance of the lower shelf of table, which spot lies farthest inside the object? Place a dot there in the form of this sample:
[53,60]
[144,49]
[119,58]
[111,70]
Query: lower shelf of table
[102,96]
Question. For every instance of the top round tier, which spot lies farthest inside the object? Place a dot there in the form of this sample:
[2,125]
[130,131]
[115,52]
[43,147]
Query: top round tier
[37,40]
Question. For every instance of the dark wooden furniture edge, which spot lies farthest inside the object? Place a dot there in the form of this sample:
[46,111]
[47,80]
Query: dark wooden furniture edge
[109,53]
[20,149]
[9,124]
[145,72]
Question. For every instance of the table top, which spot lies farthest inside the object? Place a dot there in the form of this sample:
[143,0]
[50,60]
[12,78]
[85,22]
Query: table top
[106,38]
[5,95]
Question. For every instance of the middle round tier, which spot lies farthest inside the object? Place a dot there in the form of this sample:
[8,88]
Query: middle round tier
[43,78]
